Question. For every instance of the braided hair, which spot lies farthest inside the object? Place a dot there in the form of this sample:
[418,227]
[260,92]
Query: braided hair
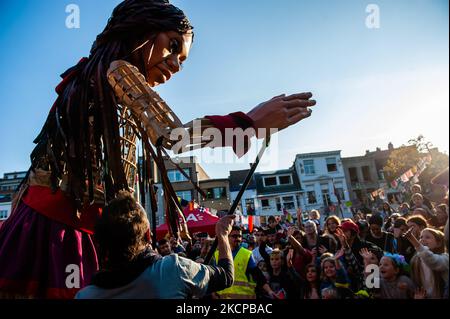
[81,136]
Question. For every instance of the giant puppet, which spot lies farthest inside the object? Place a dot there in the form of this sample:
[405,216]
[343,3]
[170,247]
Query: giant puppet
[86,151]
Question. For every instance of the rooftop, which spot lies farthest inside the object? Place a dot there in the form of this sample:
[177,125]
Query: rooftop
[237,179]
[318,154]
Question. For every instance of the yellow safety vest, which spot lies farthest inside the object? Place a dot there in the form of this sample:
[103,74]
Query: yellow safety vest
[242,288]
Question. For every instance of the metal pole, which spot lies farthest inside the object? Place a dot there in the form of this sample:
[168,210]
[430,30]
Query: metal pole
[240,194]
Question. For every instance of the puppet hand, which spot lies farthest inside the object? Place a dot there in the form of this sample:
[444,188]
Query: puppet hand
[281,112]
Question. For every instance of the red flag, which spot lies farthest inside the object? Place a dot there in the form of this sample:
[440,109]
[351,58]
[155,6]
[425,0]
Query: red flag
[250,223]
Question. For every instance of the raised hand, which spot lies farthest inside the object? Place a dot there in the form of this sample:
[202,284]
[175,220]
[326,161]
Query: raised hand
[289,258]
[341,236]
[291,231]
[420,293]
[282,111]
[367,255]
[412,239]
[339,254]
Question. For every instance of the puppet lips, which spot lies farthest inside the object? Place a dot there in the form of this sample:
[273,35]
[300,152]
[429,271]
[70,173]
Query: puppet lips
[166,74]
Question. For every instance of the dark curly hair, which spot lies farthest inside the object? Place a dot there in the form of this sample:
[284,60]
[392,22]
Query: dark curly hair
[121,231]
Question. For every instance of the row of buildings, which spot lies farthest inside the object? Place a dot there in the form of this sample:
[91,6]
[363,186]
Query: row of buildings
[318,180]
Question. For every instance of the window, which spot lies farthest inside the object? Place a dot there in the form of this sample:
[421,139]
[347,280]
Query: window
[265,203]
[186,195]
[381,175]
[216,193]
[353,174]
[270,181]
[326,198]
[309,167]
[250,206]
[285,180]
[288,203]
[3,214]
[278,201]
[278,180]
[176,176]
[311,197]
[366,173]
[331,164]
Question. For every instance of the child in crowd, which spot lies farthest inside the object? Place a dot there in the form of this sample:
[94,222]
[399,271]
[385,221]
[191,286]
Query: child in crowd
[300,257]
[334,275]
[417,224]
[332,223]
[393,283]
[404,210]
[441,216]
[401,245]
[378,236]
[418,201]
[430,263]
[312,283]
[314,242]
[314,216]
[283,280]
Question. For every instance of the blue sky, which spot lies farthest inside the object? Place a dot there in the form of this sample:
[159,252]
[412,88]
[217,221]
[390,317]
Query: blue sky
[373,86]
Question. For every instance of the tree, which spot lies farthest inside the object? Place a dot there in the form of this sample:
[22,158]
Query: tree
[404,158]
[400,161]
[421,144]
[439,163]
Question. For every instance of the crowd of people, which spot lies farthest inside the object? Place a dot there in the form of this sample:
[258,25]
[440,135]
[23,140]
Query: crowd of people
[387,253]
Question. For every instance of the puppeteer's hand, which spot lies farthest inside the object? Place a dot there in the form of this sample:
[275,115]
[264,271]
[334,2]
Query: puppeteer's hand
[281,112]
[224,225]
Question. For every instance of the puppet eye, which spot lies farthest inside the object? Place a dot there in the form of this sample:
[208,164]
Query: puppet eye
[175,46]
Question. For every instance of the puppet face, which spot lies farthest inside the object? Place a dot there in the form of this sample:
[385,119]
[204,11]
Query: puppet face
[165,57]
